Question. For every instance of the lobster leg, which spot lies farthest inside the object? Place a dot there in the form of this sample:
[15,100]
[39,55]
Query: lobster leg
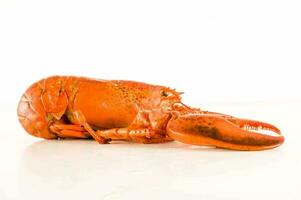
[69,130]
[223,131]
[145,136]
[79,116]
[137,135]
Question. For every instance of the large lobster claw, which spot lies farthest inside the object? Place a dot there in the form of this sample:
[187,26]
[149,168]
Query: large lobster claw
[223,131]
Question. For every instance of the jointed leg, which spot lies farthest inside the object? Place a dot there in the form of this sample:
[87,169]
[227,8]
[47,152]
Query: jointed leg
[137,135]
[68,130]
[132,134]
[82,120]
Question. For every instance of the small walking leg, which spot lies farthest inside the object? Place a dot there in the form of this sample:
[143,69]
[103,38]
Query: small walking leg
[145,136]
[82,121]
[69,130]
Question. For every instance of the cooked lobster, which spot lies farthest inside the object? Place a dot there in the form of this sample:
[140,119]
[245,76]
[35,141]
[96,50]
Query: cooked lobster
[105,110]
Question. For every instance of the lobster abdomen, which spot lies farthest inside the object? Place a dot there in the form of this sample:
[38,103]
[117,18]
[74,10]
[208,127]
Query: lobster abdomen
[32,114]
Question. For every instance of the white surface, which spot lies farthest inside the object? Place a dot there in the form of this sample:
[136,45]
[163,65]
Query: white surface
[215,51]
[79,169]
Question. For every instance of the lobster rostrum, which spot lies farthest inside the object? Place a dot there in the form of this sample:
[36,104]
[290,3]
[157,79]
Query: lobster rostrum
[76,107]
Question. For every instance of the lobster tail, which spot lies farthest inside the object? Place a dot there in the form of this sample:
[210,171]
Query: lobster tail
[32,114]
[223,132]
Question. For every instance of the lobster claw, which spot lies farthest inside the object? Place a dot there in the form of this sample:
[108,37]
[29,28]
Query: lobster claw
[223,131]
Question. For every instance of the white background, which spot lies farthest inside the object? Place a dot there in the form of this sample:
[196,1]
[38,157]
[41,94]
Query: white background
[240,57]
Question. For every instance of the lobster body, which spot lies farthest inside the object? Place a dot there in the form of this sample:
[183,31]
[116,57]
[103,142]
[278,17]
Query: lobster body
[76,107]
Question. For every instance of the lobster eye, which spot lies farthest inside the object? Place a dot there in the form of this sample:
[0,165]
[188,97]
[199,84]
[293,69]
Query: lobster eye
[166,93]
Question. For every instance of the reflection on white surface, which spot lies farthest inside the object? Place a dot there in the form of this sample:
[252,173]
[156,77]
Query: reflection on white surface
[83,169]
[108,171]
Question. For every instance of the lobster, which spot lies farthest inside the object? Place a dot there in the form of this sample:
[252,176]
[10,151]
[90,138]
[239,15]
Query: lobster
[61,107]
